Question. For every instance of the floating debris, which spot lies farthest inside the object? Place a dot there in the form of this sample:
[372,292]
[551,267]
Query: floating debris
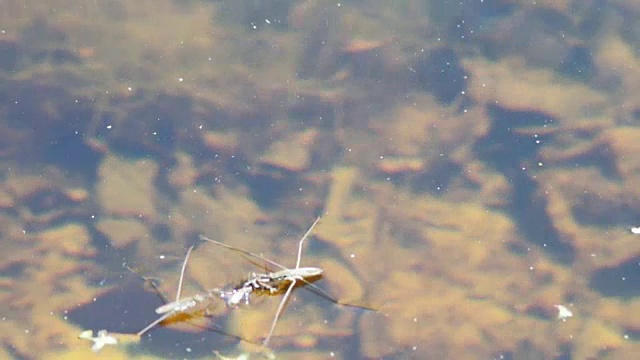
[103,338]
[563,312]
[243,356]
[246,356]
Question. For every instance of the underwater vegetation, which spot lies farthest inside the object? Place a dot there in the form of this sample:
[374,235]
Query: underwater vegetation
[474,166]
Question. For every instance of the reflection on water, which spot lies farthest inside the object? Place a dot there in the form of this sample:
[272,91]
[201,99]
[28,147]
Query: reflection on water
[474,165]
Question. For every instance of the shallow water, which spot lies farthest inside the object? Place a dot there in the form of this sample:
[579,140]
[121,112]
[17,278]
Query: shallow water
[473,164]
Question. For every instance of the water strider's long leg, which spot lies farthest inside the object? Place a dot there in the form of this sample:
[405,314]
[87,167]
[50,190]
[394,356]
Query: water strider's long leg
[176,306]
[184,266]
[155,322]
[150,281]
[302,241]
[277,316]
[256,256]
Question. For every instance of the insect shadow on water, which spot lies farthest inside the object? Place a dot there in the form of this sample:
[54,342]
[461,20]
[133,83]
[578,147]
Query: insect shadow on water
[274,283]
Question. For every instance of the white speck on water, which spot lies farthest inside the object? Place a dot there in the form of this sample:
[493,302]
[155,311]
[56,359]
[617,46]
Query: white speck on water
[563,312]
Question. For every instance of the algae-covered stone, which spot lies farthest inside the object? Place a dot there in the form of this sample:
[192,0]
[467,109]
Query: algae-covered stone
[126,188]
[221,142]
[347,220]
[400,164]
[184,174]
[624,143]
[344,284]
[6,199]
[517,86]
[71,239]
[122,232]
[292,153]
[597,338]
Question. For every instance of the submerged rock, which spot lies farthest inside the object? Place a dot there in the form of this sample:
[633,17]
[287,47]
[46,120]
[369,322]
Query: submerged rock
[126,188]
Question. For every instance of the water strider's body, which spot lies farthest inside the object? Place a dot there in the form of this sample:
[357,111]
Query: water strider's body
[269,283]
[183,304]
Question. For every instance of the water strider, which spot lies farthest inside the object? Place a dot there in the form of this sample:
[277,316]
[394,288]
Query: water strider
[275,282]
[179,305]
[271,283]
